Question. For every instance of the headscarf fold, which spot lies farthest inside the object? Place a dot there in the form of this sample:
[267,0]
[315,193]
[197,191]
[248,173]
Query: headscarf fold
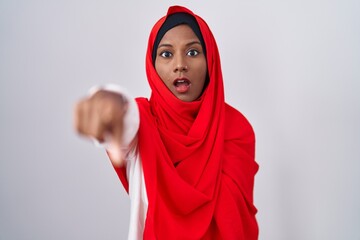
[198,157]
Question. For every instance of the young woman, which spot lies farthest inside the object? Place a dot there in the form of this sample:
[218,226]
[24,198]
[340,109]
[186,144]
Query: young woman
[185,157]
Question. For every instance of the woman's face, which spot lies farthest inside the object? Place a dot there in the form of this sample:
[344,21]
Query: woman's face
[181,63]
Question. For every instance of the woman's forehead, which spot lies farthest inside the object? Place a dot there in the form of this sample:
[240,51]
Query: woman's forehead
[181,32]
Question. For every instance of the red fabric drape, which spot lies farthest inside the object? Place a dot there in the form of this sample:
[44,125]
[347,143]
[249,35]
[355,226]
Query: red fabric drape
[198,158]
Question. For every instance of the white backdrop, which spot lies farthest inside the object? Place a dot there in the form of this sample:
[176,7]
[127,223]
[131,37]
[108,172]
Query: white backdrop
[292,67]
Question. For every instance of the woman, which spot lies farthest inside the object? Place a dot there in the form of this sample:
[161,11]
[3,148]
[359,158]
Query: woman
[186,157]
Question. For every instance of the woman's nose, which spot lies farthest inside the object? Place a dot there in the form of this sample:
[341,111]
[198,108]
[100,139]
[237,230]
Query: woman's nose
[180,64]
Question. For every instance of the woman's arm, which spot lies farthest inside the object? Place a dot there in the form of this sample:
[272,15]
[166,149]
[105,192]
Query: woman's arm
[109,116]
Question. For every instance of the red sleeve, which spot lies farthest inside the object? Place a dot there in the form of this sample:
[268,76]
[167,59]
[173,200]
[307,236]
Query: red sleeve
[121,172]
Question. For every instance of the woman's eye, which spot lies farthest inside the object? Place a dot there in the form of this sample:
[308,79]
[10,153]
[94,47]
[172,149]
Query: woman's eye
[193,53]
[166,54]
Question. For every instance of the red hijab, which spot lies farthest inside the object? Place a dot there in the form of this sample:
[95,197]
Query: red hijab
[198,157]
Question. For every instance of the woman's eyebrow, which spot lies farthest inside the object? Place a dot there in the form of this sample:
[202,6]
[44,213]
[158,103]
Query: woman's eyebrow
[165,45]
[170,45]
[192,43]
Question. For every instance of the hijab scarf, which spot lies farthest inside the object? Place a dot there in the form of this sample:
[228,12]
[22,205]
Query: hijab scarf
[198,157]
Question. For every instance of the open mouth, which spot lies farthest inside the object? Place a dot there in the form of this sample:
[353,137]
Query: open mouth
[182,85]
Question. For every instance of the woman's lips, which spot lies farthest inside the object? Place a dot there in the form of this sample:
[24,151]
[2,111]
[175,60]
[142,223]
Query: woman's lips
[182,85]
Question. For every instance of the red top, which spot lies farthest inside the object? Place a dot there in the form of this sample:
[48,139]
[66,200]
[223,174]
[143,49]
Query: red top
[198,158]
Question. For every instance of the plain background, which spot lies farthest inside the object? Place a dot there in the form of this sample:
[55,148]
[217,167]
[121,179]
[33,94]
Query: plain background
[292,67]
